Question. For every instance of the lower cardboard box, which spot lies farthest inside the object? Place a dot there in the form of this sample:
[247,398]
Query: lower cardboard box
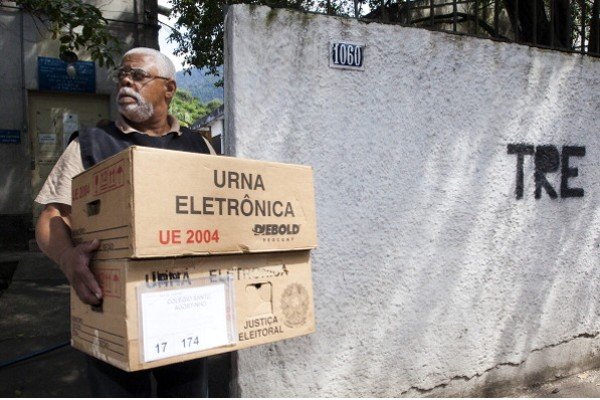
[163,311]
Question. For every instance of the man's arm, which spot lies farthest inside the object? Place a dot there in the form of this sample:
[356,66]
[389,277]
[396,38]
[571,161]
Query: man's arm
[53,235]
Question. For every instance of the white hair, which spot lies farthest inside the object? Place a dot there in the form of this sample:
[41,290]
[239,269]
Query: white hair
[165,66]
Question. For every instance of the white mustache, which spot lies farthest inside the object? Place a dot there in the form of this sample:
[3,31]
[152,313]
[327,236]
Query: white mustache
[125,91]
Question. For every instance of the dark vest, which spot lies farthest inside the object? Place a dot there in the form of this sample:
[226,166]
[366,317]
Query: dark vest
[98,144]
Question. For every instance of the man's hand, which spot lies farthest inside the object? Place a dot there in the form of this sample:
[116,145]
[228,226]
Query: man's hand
[75,263]
[53,234]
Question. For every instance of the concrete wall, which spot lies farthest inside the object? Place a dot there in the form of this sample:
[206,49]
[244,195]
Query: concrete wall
[432,277]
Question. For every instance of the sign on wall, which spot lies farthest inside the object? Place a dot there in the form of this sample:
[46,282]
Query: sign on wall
[547,160]
[60,76]
[10,136]
[346,55]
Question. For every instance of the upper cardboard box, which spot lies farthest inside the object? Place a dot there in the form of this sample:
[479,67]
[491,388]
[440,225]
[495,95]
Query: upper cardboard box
[146,202]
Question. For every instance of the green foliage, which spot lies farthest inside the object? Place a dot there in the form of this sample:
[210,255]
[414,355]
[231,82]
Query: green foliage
[189,109]
[76,24]
[200,24]
[201,85]
[199,29]
[565,24]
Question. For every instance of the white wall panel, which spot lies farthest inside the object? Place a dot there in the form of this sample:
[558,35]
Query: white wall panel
[431,276]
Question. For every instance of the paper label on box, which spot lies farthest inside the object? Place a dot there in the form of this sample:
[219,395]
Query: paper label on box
[186,320]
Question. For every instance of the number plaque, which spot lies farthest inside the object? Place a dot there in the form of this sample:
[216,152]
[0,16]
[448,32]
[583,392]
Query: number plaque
[347,55]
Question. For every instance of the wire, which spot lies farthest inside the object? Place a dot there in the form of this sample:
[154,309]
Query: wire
[34,354]
[108,19]
[168,26]
[100,8]
[132,22]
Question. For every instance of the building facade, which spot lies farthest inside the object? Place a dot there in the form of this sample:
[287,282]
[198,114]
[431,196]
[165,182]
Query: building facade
[45,99]
[212,126]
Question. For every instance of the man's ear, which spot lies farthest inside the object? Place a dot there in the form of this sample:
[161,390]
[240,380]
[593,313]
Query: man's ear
[171,86]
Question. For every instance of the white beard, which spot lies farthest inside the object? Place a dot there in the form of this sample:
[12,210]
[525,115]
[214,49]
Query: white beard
[140,111]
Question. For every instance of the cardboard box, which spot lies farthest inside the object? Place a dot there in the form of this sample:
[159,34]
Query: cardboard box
[272,300]
[146,203]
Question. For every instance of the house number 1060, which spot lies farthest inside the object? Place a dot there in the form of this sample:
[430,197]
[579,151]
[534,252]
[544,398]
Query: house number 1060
[346,55]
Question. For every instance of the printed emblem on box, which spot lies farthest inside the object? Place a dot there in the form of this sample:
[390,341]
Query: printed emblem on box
[109,178]
[110,282]
[294,304]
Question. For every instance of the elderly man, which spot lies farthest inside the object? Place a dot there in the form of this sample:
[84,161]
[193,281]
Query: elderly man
[146,86]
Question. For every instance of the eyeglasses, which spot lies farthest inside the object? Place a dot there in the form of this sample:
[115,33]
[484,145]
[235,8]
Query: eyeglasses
[136,74]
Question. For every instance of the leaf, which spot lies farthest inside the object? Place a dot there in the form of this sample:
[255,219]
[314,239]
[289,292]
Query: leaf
[64,16]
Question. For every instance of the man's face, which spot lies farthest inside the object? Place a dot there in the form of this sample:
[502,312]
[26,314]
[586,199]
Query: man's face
[139,97]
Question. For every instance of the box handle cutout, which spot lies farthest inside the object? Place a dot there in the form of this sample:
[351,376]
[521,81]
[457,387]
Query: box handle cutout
[99,307]
[93,208]
[259,297]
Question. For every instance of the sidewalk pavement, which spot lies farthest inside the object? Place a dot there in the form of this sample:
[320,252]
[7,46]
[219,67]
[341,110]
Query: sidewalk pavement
[34,312]
[35,316]
[584,384]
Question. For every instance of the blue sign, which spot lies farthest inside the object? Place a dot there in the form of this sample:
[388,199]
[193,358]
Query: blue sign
[10,136]
[60,76]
